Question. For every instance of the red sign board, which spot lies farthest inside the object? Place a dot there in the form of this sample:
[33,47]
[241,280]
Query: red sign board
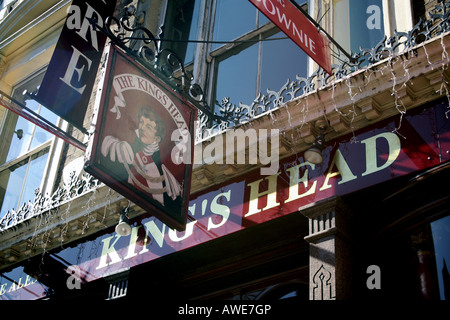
[141,146]
[298,28]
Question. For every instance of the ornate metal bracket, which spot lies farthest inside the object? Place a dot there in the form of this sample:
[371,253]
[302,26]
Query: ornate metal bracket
[164,62]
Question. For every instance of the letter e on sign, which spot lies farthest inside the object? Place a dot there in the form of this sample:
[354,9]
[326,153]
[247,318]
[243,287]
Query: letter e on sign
[70,76]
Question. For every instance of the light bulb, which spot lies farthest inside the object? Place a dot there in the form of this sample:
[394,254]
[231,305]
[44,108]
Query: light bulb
[123,229]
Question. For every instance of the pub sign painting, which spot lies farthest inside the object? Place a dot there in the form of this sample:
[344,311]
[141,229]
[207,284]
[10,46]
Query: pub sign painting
[142,142]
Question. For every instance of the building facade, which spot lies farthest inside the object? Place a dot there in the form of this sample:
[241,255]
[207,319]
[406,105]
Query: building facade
[369,219]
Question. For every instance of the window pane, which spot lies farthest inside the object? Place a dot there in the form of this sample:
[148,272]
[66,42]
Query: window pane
[236,77]
[192,34]
[233,19]
[441,241]
[281,60]
[361,19]
[33,135]
[366,23]
[34,177]
[11,182]
[18,182]
[40,135]
[181,23]
[18,146]
[21,172]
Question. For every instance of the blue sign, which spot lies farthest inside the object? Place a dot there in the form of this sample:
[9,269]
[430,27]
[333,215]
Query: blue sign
[68,82]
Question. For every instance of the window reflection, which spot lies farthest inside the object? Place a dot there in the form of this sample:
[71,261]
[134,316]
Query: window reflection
[358,23]
[19,182]
[236,76]
[233,19]
[23,159]
[264,65]
[281,60]
[441,240]
[19,285]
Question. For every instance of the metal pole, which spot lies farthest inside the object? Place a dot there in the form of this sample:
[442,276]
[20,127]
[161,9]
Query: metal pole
[38,120]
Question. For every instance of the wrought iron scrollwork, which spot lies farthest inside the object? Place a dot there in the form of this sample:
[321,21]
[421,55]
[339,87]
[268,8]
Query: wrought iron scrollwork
[71,189]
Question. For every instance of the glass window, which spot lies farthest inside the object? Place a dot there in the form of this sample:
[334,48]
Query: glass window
[281,60]
[262,66]
[181,25]
[190,49]
[232,81]
[233,19]
[24,149]
[358,23]
[246,55]
[261,58]
[441,241]
[30,135]
[19,181]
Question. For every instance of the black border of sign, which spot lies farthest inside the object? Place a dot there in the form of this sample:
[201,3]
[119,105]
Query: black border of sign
[92,163]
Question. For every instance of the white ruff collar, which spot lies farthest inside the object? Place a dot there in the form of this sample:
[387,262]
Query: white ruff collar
[151,148]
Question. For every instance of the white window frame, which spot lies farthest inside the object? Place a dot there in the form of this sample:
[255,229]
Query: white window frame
[54,145]
[206,60]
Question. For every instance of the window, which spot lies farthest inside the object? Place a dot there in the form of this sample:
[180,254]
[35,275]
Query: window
[441,241]
[182,17]
[24,151]
[245,53]
[358,23]
[243,70]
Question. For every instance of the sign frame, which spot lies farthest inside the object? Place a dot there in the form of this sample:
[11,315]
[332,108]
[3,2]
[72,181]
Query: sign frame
[124,85]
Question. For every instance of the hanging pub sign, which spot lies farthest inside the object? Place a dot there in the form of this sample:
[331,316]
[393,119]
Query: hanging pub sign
[298,28]
[68,82]
[142,142]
